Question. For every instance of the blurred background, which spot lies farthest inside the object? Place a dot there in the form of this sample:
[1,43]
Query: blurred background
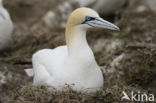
[127,58]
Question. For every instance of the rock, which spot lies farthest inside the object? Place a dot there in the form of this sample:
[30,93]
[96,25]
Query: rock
[106,45]
[2,79]
[141,8]
[151,4]
[49,18]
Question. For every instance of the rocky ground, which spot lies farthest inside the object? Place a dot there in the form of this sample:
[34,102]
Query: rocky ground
[127,58]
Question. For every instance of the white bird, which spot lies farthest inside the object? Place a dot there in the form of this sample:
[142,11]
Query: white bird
[104,7]
[6,28]
[73,64]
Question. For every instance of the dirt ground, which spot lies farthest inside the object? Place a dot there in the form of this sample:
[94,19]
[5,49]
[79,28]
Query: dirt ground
[127,58]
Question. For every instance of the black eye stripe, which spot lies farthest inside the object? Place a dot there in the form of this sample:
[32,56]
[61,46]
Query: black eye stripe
[88,18]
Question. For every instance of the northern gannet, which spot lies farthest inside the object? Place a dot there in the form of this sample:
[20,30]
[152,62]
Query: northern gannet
[6,28]
[73,64]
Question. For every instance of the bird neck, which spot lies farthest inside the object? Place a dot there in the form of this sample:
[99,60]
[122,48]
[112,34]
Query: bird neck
[76,41]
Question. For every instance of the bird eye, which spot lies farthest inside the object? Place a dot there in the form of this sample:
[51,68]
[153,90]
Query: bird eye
[88,18]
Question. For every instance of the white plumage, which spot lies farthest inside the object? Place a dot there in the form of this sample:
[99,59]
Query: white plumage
[73,64]
[56,68]
[6,28]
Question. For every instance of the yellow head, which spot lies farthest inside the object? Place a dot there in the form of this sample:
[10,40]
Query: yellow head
[84,18]
[87,17]
[78,16]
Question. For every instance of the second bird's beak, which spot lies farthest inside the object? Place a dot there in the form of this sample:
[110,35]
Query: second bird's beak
[101,23]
